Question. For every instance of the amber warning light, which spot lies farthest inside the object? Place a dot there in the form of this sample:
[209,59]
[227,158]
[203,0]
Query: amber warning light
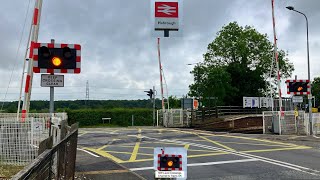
[56,61]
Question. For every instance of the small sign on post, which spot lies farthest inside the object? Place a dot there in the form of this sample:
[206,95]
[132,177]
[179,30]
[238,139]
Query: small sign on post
[297,99]
[48,80]
[170,162]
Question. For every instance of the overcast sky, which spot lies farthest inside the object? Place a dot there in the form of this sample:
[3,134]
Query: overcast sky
[119,55]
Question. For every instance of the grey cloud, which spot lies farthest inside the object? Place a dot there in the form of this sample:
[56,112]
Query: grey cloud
[118,50]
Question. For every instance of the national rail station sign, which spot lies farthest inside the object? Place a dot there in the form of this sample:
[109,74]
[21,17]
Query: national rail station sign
[166,16]
[48,80]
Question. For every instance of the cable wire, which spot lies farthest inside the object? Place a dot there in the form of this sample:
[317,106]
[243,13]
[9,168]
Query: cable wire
[21,37]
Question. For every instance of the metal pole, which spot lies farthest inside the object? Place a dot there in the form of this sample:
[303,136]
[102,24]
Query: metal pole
[309,78]
[157,118]
[198,79]
[166,33]
[51,107]
[161,84]
[154,107]
[132,120]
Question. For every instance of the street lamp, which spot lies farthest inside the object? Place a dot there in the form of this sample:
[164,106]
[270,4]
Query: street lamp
[309,96]
[198,75]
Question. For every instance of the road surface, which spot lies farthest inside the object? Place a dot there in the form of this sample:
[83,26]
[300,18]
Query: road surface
[210,155]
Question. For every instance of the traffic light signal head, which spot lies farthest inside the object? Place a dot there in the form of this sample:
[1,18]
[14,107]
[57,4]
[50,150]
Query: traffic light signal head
[169,162]
[150,93]
[56,58]
[299,87]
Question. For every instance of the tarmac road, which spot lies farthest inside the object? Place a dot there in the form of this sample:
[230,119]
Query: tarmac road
[210,155]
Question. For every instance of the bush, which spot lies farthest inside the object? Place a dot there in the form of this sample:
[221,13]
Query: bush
[119,116]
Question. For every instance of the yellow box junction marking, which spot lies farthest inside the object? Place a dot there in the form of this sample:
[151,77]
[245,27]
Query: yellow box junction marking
[260,140]
[240,137]
[186,146]
[120,152]
[82,134]
[136,147]
[257,144]
[204,137]
[217,143]
[114,131]
[105,154]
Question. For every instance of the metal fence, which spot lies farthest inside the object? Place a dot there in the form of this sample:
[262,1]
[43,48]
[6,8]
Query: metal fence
[55,163]
[20,138]
[315,122]
[174,118]
[62,116]
[289,124]
[222,111]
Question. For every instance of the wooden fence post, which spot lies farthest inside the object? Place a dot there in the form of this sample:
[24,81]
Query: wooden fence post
[72,152]
[61,152]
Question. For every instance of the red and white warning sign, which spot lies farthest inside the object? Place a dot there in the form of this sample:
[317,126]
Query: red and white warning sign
[166,16]
[166,9]
[170,162]
[195,104]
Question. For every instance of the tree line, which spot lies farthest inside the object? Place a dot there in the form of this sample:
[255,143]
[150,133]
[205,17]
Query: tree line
[239,62]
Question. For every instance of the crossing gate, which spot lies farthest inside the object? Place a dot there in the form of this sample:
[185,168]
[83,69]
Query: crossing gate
[315,122]
[174,118]
[290,124]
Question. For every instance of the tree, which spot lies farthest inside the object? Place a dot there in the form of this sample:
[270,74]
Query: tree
[315,89]
[244,57]
[213,82]
[174,102]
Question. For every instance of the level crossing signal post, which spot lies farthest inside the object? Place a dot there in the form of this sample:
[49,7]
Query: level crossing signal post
[151,94]
[55,58]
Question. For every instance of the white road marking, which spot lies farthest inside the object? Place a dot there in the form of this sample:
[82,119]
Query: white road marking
[222,162]
[202,164]
[316,136]
[141,169]
[88,152]
[260,158]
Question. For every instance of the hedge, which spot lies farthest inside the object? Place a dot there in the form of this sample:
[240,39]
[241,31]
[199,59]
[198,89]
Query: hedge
[119,116]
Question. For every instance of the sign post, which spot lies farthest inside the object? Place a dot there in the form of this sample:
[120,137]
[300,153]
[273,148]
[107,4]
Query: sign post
[51,80]
[154,106]
[170,162]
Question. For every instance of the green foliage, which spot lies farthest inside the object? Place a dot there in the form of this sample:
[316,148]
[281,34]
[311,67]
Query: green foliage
[315,89]
[215,82]
[174,102]
[61,106]
[119,116]
[238,63]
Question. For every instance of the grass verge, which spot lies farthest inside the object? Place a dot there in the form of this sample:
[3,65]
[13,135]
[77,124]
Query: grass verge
[7,171]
